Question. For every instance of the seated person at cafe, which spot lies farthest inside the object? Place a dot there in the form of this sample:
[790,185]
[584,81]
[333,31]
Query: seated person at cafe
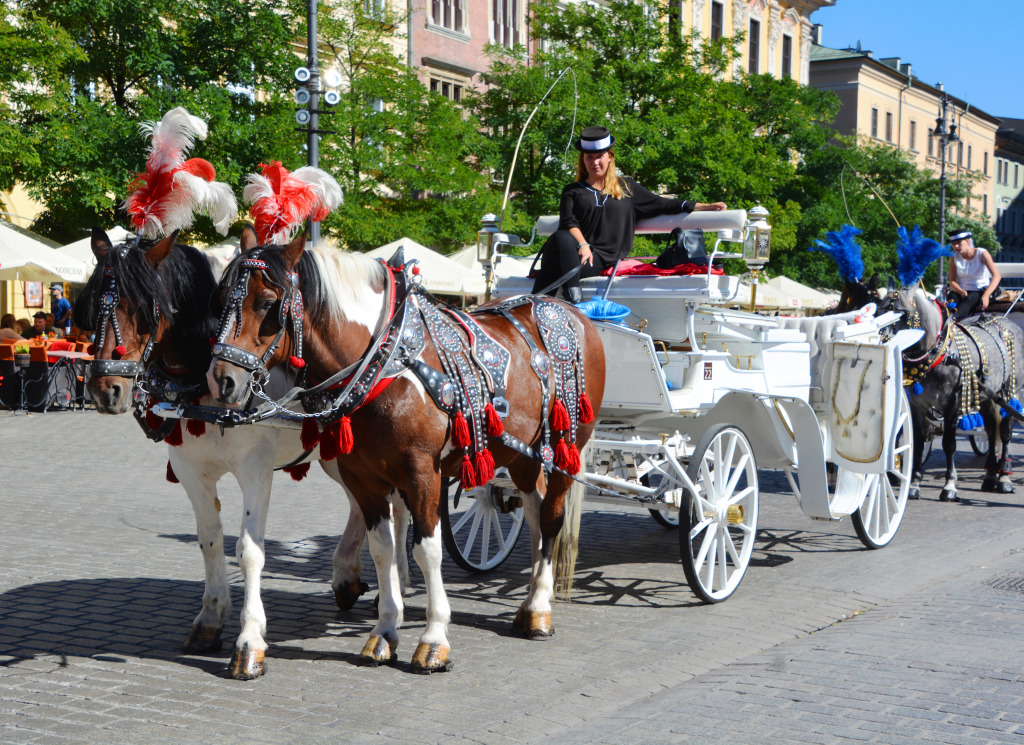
[39,327]
[8,328]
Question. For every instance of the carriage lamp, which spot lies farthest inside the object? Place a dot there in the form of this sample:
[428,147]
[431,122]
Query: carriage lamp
[757,242]
[485,237]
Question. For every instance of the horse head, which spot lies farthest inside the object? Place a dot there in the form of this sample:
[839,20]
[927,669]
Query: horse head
[918,311]
[856,294]
[282,303]
[146,303]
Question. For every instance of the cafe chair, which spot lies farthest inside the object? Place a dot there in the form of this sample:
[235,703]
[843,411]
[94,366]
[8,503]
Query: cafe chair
[10,380]
[47,384]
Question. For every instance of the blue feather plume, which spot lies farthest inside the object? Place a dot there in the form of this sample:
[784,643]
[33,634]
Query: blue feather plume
[915,253]
[845,251]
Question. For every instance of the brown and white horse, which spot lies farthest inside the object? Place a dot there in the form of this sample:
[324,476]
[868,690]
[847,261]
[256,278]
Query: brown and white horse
[149,305]
[401,442]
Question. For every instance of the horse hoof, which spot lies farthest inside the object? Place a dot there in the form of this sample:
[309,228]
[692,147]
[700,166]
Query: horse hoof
[1005,488]
[913,493]
[948,495]
[378,651]
[202,639]
[534,624]
[347,594]
[247,664]
[431,658]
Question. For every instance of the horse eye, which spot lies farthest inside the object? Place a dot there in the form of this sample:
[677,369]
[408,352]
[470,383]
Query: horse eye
[266,305]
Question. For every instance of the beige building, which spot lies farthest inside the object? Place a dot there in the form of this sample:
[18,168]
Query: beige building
[779,33]
[884,103]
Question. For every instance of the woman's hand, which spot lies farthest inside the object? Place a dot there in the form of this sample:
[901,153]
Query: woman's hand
[712,207]
[586,256]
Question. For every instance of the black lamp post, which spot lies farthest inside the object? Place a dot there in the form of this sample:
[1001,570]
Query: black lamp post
[945,134]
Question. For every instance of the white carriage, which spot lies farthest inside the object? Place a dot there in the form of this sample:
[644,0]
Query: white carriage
[698,397]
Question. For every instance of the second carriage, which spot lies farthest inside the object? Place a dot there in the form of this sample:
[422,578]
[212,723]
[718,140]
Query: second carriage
[699,396]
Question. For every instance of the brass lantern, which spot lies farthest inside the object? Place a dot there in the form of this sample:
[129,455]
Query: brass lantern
[486,237]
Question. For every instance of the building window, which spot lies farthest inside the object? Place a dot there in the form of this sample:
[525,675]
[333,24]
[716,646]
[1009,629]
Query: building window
[1016,169]
[970,150]
[986,163]
[506,22]
[960,154]
[888,126]
[448,13]
[787,56]
[913,135]
[984,204]
[450,90]
[874,123]
[717,20]
[375,9]
[931,143]
[754,47]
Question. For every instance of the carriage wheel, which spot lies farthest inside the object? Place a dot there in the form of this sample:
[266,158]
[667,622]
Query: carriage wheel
[881,512]
[719,522]
[479,526]
[979,443]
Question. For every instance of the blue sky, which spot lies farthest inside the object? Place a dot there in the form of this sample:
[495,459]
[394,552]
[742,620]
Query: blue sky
[975,48]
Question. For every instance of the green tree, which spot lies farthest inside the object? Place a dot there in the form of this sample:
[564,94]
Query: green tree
[136,60]
[874,187]
[32,53]
[405,156]
[681,129]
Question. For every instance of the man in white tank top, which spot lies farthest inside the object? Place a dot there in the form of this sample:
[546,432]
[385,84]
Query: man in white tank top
[973,276]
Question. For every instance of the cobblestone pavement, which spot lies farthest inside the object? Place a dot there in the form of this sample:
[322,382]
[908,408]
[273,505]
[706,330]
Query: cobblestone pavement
[100,578]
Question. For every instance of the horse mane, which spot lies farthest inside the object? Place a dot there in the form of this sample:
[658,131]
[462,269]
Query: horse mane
[181,288]
[330,278]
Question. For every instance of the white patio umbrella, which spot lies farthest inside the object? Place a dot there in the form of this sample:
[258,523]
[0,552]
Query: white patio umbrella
[82,250]
[509,266]
[27,257]
[440,274]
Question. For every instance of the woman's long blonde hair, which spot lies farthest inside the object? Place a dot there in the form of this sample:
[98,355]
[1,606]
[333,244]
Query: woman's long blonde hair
[614,186]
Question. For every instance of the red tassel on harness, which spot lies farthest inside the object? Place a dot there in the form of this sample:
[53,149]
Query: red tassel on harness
[120,350]
[467,474]
[329,443]
[196,427]
[152,420]
[345,439]
[298,473]
[297,362]
[495,427]
[460,432]
[560,417]
[586,410]
[574,459]
[562,458]
[310,434]
[484,463]
[171,477]
[174,436]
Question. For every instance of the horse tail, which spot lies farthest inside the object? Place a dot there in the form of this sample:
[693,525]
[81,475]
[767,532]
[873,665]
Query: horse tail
[568,539]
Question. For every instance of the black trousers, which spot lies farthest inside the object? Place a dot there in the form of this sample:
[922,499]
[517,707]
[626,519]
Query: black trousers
[967,306]
[558,256]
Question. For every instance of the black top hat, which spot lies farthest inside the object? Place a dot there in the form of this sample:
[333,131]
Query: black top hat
[595,140]
[959,235]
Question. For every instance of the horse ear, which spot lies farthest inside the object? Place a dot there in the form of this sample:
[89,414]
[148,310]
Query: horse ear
[100,242]
[248,239]
[161,250]
[293,251]
[873,284]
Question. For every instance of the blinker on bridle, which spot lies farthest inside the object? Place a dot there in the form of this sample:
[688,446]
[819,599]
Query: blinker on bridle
[290,306]
[106,315]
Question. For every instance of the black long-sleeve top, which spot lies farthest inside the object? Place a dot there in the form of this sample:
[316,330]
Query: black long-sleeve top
[608,224]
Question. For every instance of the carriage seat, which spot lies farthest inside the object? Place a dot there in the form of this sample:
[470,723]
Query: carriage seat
[820,332]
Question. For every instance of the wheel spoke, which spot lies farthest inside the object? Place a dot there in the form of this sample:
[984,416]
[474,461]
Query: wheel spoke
[710,556]
[723,565]
[705,545]
[467,547]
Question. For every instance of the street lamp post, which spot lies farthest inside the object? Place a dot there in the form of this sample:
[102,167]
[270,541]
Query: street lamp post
[945,134]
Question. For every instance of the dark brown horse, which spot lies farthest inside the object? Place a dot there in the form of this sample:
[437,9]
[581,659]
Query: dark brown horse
[399,442]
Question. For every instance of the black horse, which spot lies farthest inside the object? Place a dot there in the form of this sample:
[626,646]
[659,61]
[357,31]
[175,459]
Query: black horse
[960,373]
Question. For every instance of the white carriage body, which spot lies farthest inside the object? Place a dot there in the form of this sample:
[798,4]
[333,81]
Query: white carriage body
[684,362]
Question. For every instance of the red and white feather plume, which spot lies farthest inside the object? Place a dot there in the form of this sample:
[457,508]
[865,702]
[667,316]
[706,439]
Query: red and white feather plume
[168,194]
[281,201]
